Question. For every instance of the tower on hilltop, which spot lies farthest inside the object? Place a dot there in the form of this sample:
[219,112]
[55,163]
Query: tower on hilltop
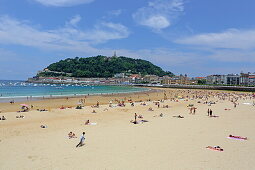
[114,54]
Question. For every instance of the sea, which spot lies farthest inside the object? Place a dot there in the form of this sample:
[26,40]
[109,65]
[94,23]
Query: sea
[20,90]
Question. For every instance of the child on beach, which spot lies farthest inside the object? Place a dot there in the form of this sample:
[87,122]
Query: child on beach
[82,139]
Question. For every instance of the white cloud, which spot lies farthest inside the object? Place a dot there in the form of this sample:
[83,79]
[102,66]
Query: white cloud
[63,3]
[17,32]
[74,21]
[232,38]
[228,55]
[157,22]
[159,14]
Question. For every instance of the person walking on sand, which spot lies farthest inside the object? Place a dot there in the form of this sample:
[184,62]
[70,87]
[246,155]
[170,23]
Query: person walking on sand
[82,139]
[208,112]
[191,109]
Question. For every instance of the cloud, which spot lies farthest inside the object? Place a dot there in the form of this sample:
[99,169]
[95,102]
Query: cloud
[232,45]
[13,31]
[159,14]
[74,21]
[157,22]
[231,38]
[233,56]
[63,3]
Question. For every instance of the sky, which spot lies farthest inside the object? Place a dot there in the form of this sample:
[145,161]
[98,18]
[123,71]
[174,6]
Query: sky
[193,37]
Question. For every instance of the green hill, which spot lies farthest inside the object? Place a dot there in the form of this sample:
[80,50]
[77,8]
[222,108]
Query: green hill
[102,66]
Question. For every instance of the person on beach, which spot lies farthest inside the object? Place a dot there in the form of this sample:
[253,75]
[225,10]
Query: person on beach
[82,139]
[194,110]
[87,122]
[210,112]
[135,122]
[190,110]
[71,135]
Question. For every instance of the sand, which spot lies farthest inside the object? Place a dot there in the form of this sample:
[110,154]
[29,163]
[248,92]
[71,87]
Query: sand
[114,143]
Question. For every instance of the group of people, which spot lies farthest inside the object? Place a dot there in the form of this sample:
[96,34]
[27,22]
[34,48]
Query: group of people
[193,110]
[209,112]
[2,118]
[20,116]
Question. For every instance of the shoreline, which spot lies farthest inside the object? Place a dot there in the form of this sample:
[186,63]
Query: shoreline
[153,93]
[36,98]
[69,101]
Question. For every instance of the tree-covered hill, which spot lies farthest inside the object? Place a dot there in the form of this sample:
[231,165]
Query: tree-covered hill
[102,66]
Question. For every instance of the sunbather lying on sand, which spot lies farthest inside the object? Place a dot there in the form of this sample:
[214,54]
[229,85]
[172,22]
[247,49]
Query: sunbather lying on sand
[238,137]
[42,110]
[140,116]
[160,115]
[139,121]
[144,104]
[43,126]
[216,148]
[78,107]
[214,116]
[150,109]
[89,123]
[71,135]
[227,109]
[3,118]
[179,116]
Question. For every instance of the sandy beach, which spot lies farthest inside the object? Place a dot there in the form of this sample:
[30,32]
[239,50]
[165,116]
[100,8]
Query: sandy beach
[162,141]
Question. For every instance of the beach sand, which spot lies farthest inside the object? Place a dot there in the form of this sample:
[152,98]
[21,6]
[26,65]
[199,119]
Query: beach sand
[114,143]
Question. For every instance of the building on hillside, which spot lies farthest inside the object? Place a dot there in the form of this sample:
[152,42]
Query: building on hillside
[119,75]
[135,78]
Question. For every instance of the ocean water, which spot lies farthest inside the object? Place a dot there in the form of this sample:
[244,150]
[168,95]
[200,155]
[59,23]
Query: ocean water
[19,90]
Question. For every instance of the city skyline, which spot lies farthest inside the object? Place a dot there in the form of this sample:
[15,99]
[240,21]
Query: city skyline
[191,37]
